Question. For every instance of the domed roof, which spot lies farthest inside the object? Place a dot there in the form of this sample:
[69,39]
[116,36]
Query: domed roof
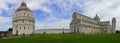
[23,4]
[96,17]
[23,7]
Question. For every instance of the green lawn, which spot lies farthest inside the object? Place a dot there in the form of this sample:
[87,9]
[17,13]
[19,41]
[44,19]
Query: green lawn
[66,38]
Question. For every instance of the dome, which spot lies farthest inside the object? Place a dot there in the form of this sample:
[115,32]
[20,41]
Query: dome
[23,7]
[97,18]
[23,4]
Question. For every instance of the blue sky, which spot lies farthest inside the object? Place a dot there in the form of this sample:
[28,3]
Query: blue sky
[56,14]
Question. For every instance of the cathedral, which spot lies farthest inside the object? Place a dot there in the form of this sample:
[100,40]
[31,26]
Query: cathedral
[23,21]
[85,25]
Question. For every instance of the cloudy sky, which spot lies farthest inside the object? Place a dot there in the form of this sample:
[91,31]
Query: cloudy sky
[52,14]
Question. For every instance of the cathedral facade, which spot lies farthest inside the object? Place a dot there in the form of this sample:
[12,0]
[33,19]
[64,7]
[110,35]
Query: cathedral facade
[85,25]
[23,21]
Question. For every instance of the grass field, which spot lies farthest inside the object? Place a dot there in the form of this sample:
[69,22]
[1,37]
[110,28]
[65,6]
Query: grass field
[66,38]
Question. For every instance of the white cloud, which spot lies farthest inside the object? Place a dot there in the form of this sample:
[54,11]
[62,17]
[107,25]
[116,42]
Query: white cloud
[4,19]
[38,5]
[5,23]
[106,9]
[59,24]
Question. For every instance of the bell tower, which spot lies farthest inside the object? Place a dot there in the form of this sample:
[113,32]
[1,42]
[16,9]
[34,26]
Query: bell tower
[113,25]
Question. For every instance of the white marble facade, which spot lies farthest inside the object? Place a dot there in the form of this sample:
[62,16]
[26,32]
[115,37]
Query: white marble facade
[23,21]
[86,25]
[52,31]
